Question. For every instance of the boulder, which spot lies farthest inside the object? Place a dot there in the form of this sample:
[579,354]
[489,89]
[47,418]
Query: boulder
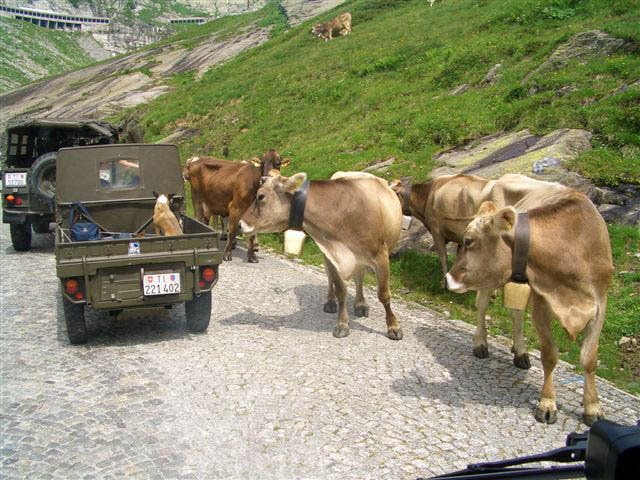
[594,43]
[459,90]
[493,76]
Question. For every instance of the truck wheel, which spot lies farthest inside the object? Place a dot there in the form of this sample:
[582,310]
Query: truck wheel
[41,226]
[43,177]
[74,318]
[198,312]
[21,236]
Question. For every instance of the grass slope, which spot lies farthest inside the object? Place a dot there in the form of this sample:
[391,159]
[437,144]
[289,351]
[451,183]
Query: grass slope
[29,52]
[381,92]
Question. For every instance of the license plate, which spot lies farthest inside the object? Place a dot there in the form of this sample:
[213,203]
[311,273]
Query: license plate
[161,284]
[15,179]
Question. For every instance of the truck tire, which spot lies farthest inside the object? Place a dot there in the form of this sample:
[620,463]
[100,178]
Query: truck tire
[41,226]
[43,177]
[74,318]
[21,236]
[198,312]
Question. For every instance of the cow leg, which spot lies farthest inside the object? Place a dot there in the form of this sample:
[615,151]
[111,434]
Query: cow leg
[441,247]
[546,411]
[330,305]
[234,218]
[519,349]
[340,288]
[394,331]
[360,307]
[589,360]
[251,253]
[480,343]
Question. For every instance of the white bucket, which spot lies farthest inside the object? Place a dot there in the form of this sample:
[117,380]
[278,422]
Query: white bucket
[406,222]
[294,241]
[515,296]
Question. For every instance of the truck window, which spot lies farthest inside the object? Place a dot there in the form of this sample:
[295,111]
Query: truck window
[119,173]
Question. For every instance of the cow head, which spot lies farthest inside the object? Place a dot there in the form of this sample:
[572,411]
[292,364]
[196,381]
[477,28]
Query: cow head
[402,189]
[270,163]
[318,30]
[485,261]
[270,211]
[186,176]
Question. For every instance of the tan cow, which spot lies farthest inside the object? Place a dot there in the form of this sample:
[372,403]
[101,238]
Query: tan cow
[445,206]
[341,25]
[164,220]
[355,222]
[569,270]
[225,188]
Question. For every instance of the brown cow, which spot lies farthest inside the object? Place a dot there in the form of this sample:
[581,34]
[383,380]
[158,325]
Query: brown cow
[445,206]
[225,188]
[165,221]
[341,25]
[569,269]
[355,222]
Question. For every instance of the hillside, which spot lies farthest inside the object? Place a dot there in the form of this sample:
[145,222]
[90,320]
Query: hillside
[30,52]
[382,92]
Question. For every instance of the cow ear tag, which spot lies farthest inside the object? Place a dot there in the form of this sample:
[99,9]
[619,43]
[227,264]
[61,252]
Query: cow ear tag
[515,296]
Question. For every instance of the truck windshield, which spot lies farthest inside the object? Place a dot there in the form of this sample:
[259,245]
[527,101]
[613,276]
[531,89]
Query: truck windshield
[119,173]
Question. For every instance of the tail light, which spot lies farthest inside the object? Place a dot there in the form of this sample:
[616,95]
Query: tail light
[73,288]
[207,277]
[13,200]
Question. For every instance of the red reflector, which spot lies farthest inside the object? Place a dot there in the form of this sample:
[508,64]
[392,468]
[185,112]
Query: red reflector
[18,201]
[71,286]
[208,274]
[10,198]
[79,295]
[202,284]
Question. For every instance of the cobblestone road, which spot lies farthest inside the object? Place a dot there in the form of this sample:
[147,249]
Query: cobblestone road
[266,393]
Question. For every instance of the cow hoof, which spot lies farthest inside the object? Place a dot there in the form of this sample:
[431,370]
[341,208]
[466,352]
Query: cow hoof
[590,419]
[522,361]
[226,256]
[395,333]
[330,306]
[253,259]
[361,310]
[481,351]
[341,331]
[543,415]
[443,284]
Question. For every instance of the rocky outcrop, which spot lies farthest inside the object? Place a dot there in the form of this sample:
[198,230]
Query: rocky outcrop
[593,43]
[517,152]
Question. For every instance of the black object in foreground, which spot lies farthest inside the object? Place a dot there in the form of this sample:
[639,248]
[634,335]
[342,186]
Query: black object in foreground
[609,452]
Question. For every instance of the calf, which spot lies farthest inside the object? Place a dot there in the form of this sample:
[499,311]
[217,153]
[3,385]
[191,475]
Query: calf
[445,206]
[355,222]
[164,220]
[569,269]
[221,187]
[341,25]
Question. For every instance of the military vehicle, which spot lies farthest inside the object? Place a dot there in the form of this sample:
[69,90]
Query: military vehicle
[28,170]
[127,265]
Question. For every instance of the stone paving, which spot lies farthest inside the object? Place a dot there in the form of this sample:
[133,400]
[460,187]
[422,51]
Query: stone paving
[267,392]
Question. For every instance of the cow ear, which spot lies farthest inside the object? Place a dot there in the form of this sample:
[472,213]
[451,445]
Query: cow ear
[155,194]
[486,209]
[255,161]
[285,163]
[504,219]
[295,182]
[395,185]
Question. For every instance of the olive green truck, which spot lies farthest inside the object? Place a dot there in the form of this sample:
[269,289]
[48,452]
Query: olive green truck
[126,265]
